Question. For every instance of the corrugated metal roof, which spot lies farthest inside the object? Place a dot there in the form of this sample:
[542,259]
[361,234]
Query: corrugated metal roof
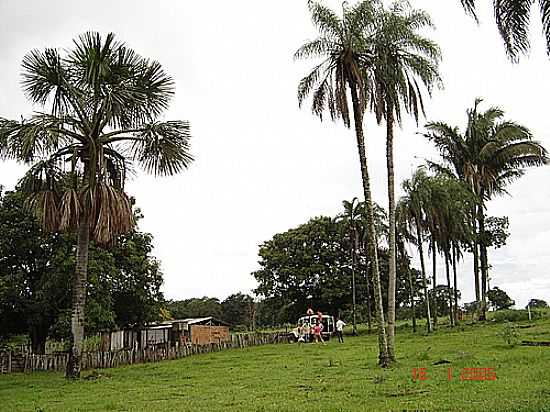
[187,321]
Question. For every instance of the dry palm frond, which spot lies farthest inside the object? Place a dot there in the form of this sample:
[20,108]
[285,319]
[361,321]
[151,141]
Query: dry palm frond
[69,210]
[112,213]
[45,205]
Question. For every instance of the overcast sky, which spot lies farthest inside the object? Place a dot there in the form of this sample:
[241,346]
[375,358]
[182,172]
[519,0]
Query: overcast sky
[262,164]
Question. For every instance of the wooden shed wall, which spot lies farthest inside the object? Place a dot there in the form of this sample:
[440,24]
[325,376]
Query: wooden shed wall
[205,335]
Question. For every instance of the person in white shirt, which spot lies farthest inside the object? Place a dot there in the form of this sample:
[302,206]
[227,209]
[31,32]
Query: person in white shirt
[340,329]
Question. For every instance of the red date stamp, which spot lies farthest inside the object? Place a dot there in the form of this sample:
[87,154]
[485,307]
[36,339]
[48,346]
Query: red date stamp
[466,374]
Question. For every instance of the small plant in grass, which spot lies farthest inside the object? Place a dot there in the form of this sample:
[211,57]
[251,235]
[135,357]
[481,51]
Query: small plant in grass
[424,355]
[509,334]
[378,379]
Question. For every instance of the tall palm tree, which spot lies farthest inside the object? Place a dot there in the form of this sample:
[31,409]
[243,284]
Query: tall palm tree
[454,204]
[351,219]
[341,49]
[380,219]
[490,154]
[412,208]
[403,236]
[513,18]
[101,102]
[402,61]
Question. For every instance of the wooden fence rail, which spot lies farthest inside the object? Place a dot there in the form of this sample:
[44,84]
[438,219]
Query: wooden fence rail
[11,362]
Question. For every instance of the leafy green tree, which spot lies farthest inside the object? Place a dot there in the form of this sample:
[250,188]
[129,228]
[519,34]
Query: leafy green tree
[101,102]
[490,154]
[440,297]
[344,58]
[35,272]
[496,232]
[195,308]
[308,266]
[402,60]
[239,310]
[135,290]
[303,267]
[537,304]
[499,299]
[513,18]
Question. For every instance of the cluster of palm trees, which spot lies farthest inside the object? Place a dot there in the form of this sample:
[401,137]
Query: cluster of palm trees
[379,58]
[490,154]
[435,210]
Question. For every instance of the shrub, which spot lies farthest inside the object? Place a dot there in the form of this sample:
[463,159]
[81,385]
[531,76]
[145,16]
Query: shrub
[509,334]
[510,315]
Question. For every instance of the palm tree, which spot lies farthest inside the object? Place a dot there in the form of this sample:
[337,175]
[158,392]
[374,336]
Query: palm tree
[341,48]
[411,209]
[351,219]
[403,236]
[380,219]
[490,154]
[402,61]
[101,103]
[454,204]
[512,18]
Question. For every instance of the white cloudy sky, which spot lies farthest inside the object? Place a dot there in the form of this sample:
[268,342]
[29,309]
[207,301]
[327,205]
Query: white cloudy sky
[262,165]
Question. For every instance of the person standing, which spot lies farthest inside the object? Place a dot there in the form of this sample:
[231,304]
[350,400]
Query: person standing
[340,329]
[307,331]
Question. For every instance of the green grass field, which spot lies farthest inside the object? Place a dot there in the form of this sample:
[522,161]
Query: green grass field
[333,377]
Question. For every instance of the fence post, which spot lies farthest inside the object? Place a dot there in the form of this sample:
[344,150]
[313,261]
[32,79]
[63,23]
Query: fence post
[9,361]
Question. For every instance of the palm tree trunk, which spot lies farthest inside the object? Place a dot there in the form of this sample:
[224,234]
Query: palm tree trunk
[455,285]
[367,292]
[79,296]
[413,307]
[424,279]
[476,256]
[383,359]
[434,281]
[392,252]
[353,261]
[449,296]
[483,261]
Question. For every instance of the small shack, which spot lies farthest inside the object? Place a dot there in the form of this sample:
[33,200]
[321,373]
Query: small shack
[196,331]
[170,333]
[204,331]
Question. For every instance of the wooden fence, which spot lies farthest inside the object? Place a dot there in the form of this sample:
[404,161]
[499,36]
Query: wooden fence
[11,362]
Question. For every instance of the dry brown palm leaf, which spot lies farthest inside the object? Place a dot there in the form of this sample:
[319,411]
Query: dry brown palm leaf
[46,208]
[69,210]
[113,215]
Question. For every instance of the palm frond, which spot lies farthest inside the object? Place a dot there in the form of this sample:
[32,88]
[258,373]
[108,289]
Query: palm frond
[316,48]
[545,19]
[110,212]
[512,18]
[325,19]
[44,76]
[470,7]
[163,148]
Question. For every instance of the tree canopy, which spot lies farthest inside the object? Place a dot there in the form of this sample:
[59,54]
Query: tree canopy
[35,277]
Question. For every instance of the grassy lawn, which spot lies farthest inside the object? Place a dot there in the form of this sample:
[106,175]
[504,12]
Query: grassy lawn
[333,377]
